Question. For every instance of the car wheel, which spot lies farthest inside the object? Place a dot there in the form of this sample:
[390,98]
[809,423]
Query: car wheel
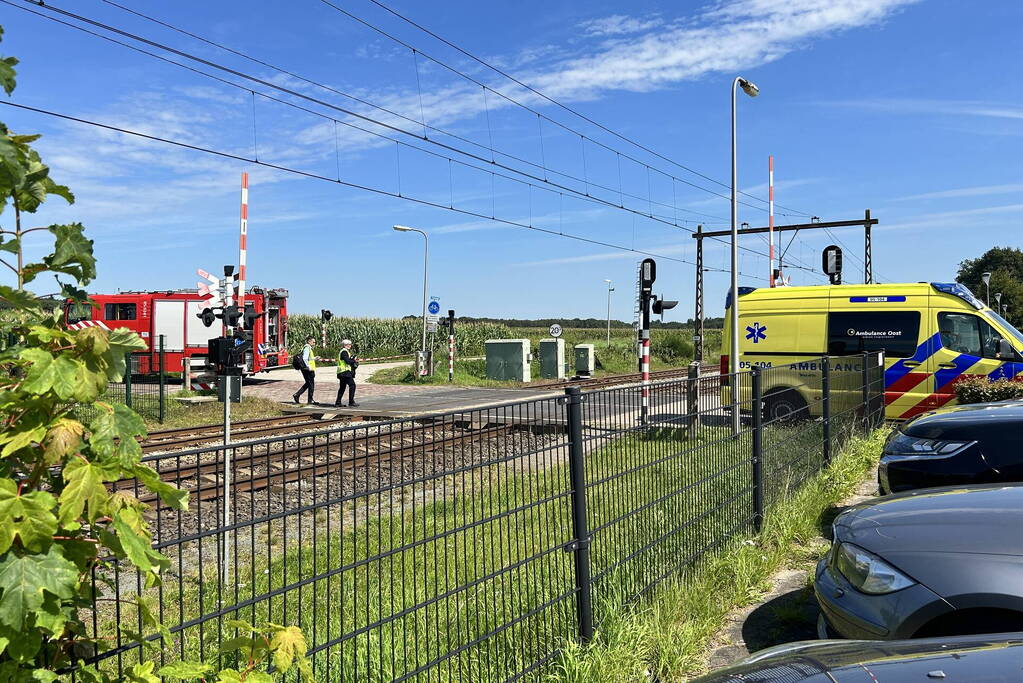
[785,406]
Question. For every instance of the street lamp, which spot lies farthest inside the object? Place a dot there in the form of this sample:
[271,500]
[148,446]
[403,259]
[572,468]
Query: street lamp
[986,277]
[610,288]
[426,263]
[751,90]
[998,302]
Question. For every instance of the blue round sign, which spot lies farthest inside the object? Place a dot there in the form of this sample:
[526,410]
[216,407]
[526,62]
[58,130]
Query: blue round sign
[434,308]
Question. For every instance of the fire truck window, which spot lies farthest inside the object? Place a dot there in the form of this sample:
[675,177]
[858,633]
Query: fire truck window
[965,333]
[894,332]
[76,313]
[119,312]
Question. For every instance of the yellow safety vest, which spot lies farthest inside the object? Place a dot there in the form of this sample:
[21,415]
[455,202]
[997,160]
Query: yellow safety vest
[312,358]
[341,365]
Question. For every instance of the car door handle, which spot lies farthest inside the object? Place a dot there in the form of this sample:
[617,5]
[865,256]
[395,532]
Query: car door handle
[910,364]
[950,366]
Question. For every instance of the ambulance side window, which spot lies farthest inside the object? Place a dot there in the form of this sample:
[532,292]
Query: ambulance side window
[894,332]
[966,333]
[119,311]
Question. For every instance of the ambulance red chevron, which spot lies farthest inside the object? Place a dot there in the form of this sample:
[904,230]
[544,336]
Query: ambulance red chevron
[932,334]
[173,315]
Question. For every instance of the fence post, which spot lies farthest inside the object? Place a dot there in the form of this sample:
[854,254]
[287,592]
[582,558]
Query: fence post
[580,545]
[758,448]
[693,398]
[865,376]
[127,379]
[826,407]
[163,386]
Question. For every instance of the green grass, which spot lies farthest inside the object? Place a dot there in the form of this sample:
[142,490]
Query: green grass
[668,636]
[483,534]
[180,414]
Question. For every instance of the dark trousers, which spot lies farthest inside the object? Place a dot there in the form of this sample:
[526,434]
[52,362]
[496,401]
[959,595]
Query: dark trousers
[346,380]
[310,382]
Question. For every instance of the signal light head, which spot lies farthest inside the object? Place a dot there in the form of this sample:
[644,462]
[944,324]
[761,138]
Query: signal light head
[207,316]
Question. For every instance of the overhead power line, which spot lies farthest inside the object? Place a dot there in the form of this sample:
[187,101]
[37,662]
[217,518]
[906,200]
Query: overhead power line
[561,191]
[536,92]
[357,186]
[416,51]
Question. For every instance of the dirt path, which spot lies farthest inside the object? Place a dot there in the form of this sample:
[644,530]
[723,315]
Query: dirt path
[788,611]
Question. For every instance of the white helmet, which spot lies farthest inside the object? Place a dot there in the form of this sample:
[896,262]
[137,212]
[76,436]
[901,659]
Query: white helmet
[346,342]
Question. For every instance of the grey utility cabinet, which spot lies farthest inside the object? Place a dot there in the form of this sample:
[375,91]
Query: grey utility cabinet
[508,359]
[552,358]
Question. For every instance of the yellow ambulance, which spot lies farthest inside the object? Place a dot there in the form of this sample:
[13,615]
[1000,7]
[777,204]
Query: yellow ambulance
[931,333]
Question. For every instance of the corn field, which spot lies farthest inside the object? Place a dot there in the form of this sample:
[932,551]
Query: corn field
[375,337]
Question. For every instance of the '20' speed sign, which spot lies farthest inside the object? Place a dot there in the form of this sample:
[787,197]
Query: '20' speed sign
[555,330]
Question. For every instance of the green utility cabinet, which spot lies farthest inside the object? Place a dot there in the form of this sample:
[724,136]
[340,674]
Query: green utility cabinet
[585,360]
[552,358]
[508,359]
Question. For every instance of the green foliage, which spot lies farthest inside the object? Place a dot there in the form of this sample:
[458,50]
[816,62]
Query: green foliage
[983,390]
[1006,267]
[377,337]
[63,528]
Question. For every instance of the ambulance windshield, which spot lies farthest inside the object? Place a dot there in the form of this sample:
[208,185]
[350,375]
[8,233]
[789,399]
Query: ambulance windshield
[1006,325]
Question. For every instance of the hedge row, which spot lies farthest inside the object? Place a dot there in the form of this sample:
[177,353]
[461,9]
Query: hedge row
[982,390]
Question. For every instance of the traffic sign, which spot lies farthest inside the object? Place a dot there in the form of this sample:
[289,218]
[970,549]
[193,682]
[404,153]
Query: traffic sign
[432,319]
[433,308]
[555,330]
[431,327]
[203,274]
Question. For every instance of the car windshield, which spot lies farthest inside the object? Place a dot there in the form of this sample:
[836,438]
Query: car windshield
[1006,325]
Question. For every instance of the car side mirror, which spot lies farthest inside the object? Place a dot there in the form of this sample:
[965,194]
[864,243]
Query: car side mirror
[1005,350]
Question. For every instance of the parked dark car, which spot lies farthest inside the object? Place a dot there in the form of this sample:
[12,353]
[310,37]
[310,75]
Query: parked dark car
[930,562]
[964,658]
[980,443]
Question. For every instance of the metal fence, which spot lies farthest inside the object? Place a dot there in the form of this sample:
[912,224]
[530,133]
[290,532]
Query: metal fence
[144,388]
[474,545]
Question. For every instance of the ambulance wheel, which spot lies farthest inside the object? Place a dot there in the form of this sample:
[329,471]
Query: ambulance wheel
[785,406]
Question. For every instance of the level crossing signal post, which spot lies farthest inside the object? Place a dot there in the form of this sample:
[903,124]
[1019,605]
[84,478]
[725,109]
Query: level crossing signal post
[226,357]
[451,345]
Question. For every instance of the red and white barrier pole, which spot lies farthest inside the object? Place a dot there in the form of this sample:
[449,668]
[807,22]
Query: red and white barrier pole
[645,369]
[451,358]
[770,216]
[243,240]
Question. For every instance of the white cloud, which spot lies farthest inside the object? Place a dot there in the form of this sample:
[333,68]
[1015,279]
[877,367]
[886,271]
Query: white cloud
[618,24]
[978,108]
[965,192]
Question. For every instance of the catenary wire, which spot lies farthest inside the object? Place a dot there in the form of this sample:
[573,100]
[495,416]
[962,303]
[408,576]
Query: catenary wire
[536,92]
[591,198]
[357,186]
[451,134]
[358,115]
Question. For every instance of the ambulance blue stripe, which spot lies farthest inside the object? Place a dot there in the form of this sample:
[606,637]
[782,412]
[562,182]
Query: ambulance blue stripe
[945,375]
[1006,370]
[899,370]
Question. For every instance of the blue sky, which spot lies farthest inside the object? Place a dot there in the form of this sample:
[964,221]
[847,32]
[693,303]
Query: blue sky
[909,108]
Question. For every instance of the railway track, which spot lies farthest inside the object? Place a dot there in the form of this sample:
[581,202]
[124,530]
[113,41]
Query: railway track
[186,437]
[257,466]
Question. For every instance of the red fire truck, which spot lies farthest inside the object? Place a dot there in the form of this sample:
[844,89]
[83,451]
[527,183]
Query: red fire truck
[173,315]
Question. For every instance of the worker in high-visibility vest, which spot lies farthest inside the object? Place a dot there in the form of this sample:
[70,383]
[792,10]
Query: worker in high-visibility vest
[307,365]
[346,365]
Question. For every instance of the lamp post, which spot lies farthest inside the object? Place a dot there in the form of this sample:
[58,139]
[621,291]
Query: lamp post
[610,288]
[998,302]
[751,90]
[426,263]
[986,278]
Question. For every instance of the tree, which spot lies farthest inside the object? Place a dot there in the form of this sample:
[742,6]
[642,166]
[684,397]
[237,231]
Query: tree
[62,529]
[1006,267]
